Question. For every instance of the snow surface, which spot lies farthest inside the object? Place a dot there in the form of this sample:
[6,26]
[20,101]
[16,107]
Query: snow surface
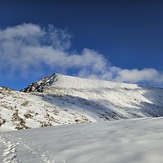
[123,141]
[70,100]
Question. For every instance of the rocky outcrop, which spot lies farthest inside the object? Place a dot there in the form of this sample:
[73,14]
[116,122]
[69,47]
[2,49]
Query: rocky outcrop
[39,86]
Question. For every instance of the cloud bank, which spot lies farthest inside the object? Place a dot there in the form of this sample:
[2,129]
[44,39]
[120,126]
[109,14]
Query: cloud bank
[29,47]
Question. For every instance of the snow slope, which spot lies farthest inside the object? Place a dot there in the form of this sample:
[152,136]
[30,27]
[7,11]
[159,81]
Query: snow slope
[61,99]
[123,141]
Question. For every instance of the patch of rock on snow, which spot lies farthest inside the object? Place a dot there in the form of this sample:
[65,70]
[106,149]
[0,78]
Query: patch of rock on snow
[39,86]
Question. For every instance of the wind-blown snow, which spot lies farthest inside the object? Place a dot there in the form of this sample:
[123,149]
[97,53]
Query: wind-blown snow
[124,141]
[70,100]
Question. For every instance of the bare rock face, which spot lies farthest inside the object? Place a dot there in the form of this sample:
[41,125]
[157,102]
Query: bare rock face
[40,85]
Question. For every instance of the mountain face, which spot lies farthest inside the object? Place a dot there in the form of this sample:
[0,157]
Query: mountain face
[58,99]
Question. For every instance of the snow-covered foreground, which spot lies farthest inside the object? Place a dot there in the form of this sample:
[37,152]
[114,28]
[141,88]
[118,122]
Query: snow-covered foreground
[123,141]
[69,100]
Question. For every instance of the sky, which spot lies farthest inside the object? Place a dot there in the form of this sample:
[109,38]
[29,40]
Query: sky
[111,40]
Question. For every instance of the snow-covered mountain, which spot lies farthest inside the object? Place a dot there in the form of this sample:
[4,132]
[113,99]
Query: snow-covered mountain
[59,99]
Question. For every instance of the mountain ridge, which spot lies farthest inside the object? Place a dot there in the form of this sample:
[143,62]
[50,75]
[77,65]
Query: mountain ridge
[58,99]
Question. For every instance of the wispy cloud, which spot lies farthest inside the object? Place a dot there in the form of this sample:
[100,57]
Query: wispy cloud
[29,47]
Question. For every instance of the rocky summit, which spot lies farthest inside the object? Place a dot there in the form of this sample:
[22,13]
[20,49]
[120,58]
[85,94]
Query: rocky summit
[40,85]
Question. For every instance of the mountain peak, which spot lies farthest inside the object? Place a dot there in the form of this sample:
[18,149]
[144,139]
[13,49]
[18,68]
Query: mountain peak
[39,86]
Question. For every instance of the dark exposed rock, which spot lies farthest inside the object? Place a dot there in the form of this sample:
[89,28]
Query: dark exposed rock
[2,121]
[39,86]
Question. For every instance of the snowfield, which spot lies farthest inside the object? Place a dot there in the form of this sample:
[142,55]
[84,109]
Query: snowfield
[123,141]
[70,100]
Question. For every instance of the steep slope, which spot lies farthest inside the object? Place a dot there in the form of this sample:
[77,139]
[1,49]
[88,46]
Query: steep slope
[123,141]
[59,99]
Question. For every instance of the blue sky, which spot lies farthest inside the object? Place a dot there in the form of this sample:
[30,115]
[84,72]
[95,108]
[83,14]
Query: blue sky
[110,40]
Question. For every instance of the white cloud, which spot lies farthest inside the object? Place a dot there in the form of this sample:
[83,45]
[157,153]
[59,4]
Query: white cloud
[27,47]
[135,75]
[23,30]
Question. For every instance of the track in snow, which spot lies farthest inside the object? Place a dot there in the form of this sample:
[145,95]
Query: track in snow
[11,146]
[9,152]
